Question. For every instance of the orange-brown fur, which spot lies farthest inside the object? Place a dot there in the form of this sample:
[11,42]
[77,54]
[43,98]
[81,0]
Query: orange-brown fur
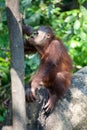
[54,71]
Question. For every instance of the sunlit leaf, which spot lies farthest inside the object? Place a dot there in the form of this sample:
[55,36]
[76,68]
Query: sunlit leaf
[74,43]
[76,25]
[69,19]
[83,36]
[84,12]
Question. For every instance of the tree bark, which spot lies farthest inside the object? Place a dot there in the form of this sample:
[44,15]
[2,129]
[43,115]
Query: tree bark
[17,65]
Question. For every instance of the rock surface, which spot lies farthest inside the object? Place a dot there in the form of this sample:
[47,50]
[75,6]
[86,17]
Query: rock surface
[70,113]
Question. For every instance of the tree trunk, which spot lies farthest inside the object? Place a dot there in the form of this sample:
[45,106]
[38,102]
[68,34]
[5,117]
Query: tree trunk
[17,65]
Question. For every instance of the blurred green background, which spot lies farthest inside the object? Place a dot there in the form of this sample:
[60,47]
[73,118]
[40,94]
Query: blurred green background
[68,18]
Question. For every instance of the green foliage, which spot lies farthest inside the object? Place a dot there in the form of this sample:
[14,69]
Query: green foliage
[31,64]
[70,26]
[4,82]
[4,61]
[81,1]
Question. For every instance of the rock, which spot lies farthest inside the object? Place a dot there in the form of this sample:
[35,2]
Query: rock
[70,113]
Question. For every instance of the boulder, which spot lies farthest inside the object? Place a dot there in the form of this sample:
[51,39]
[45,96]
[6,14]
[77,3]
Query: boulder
[70,113]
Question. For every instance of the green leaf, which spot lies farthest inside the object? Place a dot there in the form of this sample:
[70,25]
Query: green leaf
[76,25]
[69,19]
[84,12]
[81,1]
[74,43]
[84,27]
[83,36]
